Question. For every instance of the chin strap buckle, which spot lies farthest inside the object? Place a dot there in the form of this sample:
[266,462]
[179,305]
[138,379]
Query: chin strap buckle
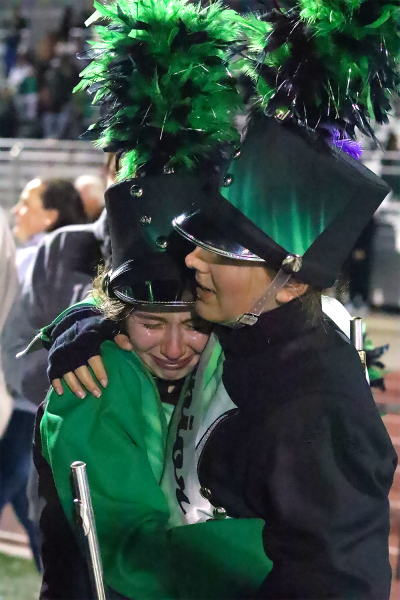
[291,264]
[247,319]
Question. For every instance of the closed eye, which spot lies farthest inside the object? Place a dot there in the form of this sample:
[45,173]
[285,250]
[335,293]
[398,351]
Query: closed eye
[200,326]
[152,325]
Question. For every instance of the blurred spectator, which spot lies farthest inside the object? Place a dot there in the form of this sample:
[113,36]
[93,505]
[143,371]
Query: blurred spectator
[60,78]
[44,206]
[8,113]
[8,286]
[392,179]
[91,189]
[360,268]
[17,25]
[66,24]
[22,82]
[39,88]
[46,51]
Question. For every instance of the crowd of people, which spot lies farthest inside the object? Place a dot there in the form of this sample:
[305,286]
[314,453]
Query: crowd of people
[36,83]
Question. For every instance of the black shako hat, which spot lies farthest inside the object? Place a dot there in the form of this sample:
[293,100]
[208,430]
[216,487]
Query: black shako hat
[148,256]
[291,199]
[167,108]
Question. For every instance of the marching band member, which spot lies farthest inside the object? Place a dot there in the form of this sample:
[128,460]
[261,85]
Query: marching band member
[125,438]
[304,447]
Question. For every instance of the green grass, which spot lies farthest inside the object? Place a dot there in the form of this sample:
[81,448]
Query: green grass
[19,579]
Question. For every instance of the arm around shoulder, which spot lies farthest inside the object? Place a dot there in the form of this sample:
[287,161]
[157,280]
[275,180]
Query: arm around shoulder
[130,509]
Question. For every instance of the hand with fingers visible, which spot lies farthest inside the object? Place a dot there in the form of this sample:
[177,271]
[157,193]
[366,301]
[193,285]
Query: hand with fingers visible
[76,349]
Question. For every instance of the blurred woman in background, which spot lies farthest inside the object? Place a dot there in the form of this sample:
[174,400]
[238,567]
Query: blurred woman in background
[44,206]
[8,286]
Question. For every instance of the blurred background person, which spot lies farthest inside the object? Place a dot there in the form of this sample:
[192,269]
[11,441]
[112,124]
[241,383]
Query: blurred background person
[59,80]
[62,273]
[44,206]
[91,189]
[16,26]
[358,267]
[66,24]
[22,82]
[8,287]
[40,74]
[8,113]
[357,271]
[392,178]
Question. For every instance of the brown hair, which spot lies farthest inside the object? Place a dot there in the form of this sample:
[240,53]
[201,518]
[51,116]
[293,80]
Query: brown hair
[311,299]
[112,307]
[61,195]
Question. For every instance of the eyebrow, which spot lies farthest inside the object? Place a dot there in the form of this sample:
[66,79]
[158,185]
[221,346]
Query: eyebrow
[150,317]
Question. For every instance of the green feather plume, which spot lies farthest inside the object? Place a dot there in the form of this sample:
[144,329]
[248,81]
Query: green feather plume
[376,368]
[326,62]
[159,72]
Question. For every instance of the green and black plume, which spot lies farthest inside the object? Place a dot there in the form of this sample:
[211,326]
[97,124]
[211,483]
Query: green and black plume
[327,62]
[376,368]
[159,72]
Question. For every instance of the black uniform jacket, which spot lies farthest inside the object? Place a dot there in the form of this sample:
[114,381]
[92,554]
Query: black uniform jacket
[307,451]
[61,275]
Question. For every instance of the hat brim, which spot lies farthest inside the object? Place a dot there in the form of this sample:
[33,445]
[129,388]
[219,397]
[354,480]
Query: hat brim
[136,295]
[202,231]
[158,282]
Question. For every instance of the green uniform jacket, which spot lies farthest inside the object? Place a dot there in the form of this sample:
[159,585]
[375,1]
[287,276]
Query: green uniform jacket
[122,438]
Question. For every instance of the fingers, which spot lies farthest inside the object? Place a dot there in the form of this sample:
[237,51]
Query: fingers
[73,383]
[123,342]
[56,383]
[97,366]
[84,376]
[81,376]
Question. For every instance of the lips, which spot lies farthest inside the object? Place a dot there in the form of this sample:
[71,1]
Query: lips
[204,288]
[171,366]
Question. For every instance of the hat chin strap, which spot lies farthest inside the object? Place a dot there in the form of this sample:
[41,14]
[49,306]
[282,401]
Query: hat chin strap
[264,302]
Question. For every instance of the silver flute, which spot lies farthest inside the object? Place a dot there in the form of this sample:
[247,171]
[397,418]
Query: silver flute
[84,509]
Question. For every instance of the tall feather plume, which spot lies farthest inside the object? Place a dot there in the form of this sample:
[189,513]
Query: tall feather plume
[159,72]
[326,63]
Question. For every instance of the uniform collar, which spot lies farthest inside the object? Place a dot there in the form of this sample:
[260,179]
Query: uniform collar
[281,324]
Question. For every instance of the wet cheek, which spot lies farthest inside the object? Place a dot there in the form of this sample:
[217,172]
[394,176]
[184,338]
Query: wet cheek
[198,342]
[143,339]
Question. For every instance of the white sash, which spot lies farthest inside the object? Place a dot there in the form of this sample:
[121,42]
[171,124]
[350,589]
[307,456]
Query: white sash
[196,414]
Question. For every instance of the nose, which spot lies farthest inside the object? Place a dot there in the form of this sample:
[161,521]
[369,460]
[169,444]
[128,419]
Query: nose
[194,260]
[16,208]
[173,345]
